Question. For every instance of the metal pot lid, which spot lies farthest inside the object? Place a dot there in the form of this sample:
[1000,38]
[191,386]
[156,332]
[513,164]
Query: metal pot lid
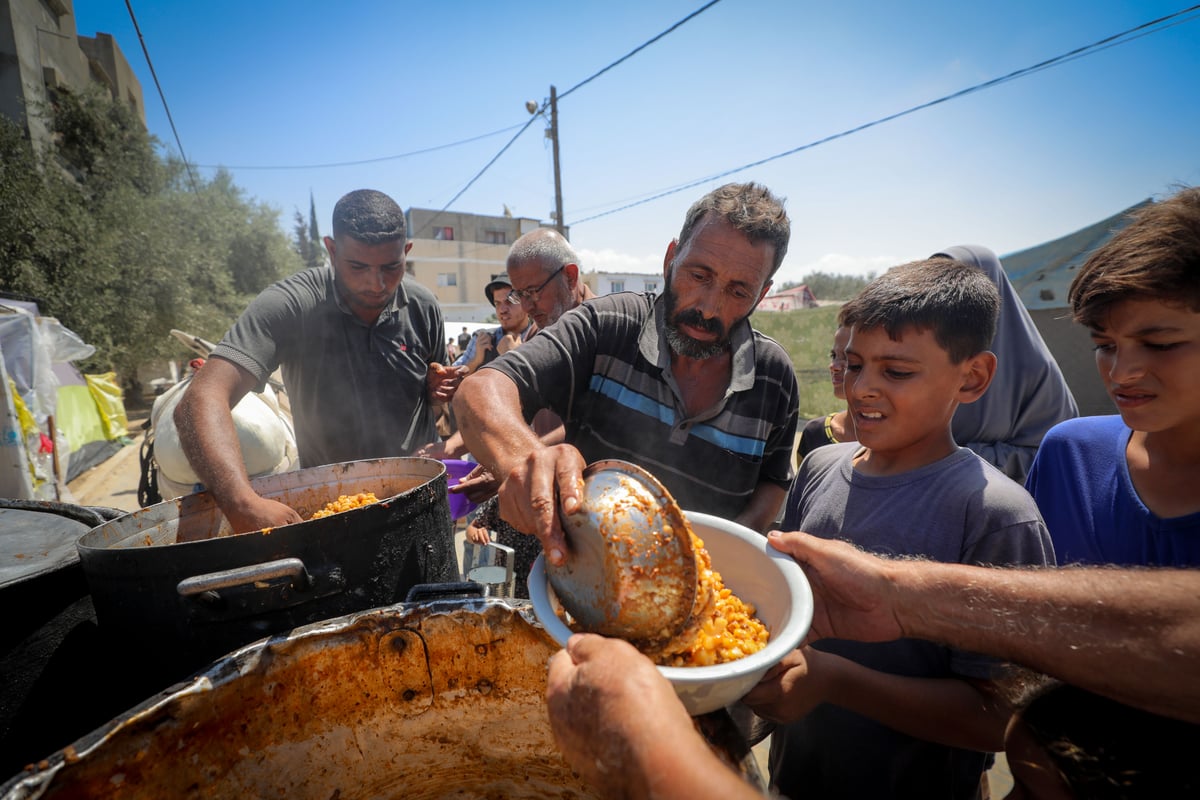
[34,543]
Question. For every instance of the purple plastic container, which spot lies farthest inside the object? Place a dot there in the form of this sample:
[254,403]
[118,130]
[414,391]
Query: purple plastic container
[456,470]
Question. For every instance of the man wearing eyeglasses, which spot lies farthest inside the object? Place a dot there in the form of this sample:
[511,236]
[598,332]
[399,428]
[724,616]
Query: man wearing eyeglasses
[679,384]
[544,270]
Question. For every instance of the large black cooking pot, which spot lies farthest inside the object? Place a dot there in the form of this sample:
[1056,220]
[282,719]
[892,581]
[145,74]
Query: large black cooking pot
[174,588]
[443,698]
[43,601]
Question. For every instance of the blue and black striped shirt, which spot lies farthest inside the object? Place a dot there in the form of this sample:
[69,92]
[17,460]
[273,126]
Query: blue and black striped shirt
[605,369]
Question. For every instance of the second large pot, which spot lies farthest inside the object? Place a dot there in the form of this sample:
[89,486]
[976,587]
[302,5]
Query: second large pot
[171,585]
[421,700]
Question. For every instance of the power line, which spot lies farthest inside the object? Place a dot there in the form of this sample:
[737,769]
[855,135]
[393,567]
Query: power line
[639,48]
[162,97]
[478,175]
[367,160]
[542,109]
[435,148]
[1079,52]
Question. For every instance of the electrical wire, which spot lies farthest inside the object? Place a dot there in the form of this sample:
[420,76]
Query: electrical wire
[435,148]
[541,110]
[162,97]
[1103,44]
[478,175]
[409,154]
[641,47]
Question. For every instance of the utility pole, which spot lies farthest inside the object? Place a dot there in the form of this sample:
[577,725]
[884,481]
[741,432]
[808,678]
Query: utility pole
[552,134]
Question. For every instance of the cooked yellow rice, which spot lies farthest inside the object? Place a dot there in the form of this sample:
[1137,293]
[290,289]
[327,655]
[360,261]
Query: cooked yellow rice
[345,502]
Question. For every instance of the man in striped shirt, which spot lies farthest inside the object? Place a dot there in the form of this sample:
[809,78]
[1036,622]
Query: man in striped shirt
[679,384]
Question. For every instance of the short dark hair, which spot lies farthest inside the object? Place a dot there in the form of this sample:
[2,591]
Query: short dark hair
[956,301]
[370,217]
[748,207]
[1103,749]
[1155,257]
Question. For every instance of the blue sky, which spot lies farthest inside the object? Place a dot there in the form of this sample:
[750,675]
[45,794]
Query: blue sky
[290,85]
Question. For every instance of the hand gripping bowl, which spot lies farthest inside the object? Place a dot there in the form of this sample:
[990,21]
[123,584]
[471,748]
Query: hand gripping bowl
[770,580]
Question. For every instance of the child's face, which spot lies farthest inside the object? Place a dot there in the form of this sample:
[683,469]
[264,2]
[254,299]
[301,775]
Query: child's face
[1148,354]
[837,361]
[902,396]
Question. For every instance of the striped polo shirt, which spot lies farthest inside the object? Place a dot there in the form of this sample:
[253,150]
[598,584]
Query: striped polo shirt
[605,369]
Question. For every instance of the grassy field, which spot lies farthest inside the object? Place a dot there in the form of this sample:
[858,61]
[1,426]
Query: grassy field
[807,335]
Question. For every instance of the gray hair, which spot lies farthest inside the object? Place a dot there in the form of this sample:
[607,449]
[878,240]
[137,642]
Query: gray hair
[546,247]
[751,209]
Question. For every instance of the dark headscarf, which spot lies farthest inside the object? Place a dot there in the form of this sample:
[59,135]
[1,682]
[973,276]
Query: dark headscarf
[1028,395]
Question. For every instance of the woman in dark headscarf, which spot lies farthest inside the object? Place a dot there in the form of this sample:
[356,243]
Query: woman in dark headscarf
[1028,395]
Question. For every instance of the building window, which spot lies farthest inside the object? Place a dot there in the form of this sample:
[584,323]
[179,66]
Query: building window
[618,286]
[651,286]
[445,234]
[447,279]
[495,237]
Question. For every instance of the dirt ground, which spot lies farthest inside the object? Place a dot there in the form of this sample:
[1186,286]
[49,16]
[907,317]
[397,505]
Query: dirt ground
[114,482]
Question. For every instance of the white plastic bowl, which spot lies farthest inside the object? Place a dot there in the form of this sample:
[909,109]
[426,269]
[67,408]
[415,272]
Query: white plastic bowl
[772,581]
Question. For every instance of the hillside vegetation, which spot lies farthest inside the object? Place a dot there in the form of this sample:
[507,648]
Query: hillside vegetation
[122,244]
[807,335]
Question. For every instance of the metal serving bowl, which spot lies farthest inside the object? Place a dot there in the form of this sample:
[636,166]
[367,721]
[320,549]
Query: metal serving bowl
[630,569]
[772,581]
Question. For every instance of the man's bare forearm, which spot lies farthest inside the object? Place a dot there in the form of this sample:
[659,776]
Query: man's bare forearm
[1130,634]
[207,434]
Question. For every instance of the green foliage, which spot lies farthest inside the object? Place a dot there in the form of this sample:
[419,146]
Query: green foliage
[306,241]
[828,286]
[121,244]
[807,336]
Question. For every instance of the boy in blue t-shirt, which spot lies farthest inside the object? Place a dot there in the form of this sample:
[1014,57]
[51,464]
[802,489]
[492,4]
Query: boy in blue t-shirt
[1122,489]
[907,718]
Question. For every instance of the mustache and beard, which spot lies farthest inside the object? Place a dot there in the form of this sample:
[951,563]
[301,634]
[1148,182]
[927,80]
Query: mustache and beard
[684,345]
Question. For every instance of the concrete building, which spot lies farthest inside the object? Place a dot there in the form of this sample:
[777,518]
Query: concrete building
[603,283]
[789,299]
[455,255]
[41,54]
[1042,275]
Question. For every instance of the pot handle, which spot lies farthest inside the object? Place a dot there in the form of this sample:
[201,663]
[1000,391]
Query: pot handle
[424,592]
[240,576]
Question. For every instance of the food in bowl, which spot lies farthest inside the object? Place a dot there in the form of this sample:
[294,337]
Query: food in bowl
[769,580]
[722,628]
[345,502]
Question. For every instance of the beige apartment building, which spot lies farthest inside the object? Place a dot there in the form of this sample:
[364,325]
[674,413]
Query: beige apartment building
[41,53]
[455,255]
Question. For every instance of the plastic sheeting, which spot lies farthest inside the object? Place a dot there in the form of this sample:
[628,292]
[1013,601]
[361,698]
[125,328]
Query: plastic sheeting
[107,396]
[36,352]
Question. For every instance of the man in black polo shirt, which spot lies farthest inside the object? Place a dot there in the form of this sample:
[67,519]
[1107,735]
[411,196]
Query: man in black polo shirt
[361,350]
[679,384]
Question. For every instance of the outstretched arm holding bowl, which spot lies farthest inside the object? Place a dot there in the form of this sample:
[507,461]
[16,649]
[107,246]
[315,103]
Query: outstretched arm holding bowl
[1130,634]
[617,720]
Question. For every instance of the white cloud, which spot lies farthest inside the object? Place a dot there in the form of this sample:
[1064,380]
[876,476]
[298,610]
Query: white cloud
[608,260]
[837,264]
